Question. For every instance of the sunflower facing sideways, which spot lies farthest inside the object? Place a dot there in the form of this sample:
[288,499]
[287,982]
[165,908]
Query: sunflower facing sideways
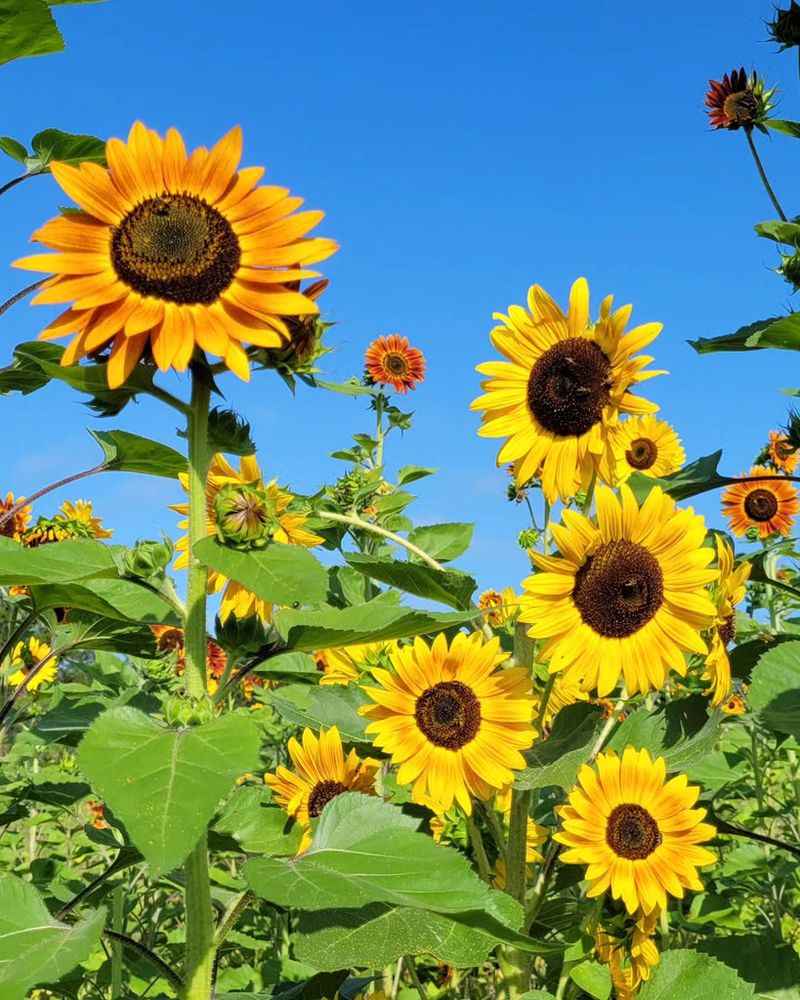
[627,596]
[728,592]
[767,505]
[171,252]
[25,657]
[636,832]
[643,444]
[454,724]
[562,387]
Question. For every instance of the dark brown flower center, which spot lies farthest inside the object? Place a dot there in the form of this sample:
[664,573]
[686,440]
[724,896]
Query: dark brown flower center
[642,453]
[396,364]
[761,505]
[176,247]
[170,640]
[619,589]
[727,630]
[741,107]
[569,386]
[449,714]
[322,794]
[632,833]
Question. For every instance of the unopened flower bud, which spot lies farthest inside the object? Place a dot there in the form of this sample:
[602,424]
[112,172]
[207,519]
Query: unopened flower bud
[246,515]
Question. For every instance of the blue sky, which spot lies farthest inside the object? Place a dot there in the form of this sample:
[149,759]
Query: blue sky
[461,151]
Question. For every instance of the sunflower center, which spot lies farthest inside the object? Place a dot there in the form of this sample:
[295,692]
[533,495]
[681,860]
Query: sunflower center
[741,107]
[396,364]
[321,795]
[569,386]
[632,833]
[176,247]
[619,589]
[761,505]
[449,714]
[642,453]
[727,630]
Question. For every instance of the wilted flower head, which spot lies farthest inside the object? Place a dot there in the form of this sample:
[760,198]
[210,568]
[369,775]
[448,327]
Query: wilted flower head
[738,101]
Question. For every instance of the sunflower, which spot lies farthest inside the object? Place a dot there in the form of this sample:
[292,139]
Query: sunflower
[289,529]
[346,664]
[739,100]
[74,520]
[563,387]
[642,444]
[734,705]
[636,832]
[321,772]
[782,453]
[566,690]
[25,656]
[82,513]
[503,608]
[174,252]
[630,959]
[728,592]
[390,361]
[15,525]
[454,725]
[766,504]
[170,641]
[627,596]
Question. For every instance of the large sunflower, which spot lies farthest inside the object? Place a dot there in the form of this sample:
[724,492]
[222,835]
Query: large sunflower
[767,504]
[454,725]
[643,444]
[562,388]
[628,595]
[25,657]
[728,592]
[289,530]
[636,832]
[173,252]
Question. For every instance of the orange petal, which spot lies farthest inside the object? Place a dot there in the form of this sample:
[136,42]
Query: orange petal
[124,355]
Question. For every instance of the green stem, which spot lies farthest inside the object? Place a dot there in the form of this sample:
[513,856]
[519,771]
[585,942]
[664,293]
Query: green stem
[546,528]
[480,851]
[161,967]
[762,174]
[27,501]
[18,298]
[412,972]
[587,503]
[379,401]
[197,574]
[237,906]
[118,922]
[517,836]
[200,947]
[548,690]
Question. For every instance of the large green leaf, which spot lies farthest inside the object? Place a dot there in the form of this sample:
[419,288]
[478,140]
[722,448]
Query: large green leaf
[124,452]
[555,761]
[695,478]
[86,630]
[65,562]
[27,28]
[773,967]
[450,587]
[65,147]
[785,127]
[125,600]
[36,949]
[746,338]
[593,978]
[165,784]
[442,541]
[258,826]
[687,975]
[315,706]
[681,731]
[775,688]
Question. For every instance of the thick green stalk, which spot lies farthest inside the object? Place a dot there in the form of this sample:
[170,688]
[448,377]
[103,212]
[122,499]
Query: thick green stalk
[515,852]
[200,949]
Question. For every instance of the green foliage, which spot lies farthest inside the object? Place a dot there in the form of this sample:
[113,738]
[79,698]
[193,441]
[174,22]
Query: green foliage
[773,967]
[555,761]
[449,587]
[593,978]
[444,542]
[124,452]
[680,731]
[775,688]
[27,28]
[70,560]
[683,974]
[257,826]
[697,477]
[310,705]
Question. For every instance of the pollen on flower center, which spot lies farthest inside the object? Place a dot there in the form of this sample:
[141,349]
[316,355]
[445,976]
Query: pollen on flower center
[632,833]
[569,387]
[449,714]
[176,247]
[619,589]
[642,453]
[761,505]
[322,794]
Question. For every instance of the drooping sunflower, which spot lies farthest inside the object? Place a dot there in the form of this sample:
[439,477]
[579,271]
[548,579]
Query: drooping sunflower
[781,452]
[172,252]
[728,592]
[391,361]
[503,608]
[626,597]
[768,504]
[562,388]
[289,529]
[25,656]
[631,957]
[642,444]
[347,663]
[636,832]
[82,512]
[566,690]
[321,772]
[454,724]
[739,100]
[15,525]
[74,520]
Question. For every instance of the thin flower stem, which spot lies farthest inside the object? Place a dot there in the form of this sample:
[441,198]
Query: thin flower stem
[587,503]
[477,846]
[498,834]
[762,174]
[21,294]
[26,501]
[237,906]
[119,864]
[18,180]
[164,971]
[412,972]
[545,530]
[118,919]
[166,397]
[376,529]
[548,690]
[379,433]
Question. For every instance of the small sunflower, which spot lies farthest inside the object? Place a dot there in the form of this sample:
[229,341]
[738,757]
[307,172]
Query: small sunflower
[734,705]
[646,445]
[768,504]
[631,958]
[503,608]
[454,725]
[390,361]
[627,596]
[728,592]
[25,656]
[562,388]
[348,663]
[74,520]
[82,512]
[636,832]
[566,690]
[739,100]
[14,526]
[172,252]
[171,642]
[321,772]
[781,452]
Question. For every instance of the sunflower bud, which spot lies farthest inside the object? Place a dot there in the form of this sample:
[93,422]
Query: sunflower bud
[246,515]
[792,430]
[528,538]
[790,269]
[785,26]
[148,559]
[229,432]
[245,637]
[182,712]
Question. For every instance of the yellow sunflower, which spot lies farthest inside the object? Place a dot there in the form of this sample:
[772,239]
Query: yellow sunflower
[174,252]
[735,705]
[628,596]
[454,725]
[642,444]
[782,454]
[630,959]
[636,832]
[25,657]
[767,504]
[566,690]
[346,664]
[728,592]
[503,608]
[14,526]
[82,512]
[291,530]
[563,387]
[321,772]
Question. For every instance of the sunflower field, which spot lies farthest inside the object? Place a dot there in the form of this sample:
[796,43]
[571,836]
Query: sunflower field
[286,749]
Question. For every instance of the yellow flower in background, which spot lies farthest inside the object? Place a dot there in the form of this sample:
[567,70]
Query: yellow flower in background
[728,592]
[627,597]
[74,520]
[781,452]
[566,690]
[768,504]
[321,772]
[82,512]
[642,444]
[735,705]
[562,388]
[453,724]
[503,607]
[346,664]
[629,962]
[290,530]
[172,252]
[15,526]
[24,658]
[636,832]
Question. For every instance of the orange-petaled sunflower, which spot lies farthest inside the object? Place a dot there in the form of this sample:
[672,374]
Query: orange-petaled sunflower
[454,724]
[25,657]
[172,252]
[321,772]
[15,525]
[627,596]
[782,453]
[563,387]
[390,361]
[636,832]
[642,444]
[346,664]
[768,504]
[289,530]
[735,705]
[728,592]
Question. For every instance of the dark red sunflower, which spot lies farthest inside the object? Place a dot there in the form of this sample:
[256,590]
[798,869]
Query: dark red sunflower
[737,101]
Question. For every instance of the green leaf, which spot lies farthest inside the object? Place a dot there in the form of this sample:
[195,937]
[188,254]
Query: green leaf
[347,388]
[24,374]
[86,630]
[124,600]
[13,148]
[124,452]
[555,761]
[745,656]
[682,974]
[537,995]
[278,574]
[165,784]
[744,339]
[36,949]
[681,731]
[287,665]
[787,233]
[315,706]
[64,562]
[450,587]
[27,28]
[65,147]
[775,689]
[785,127]
[773,967]
[443,542]
[593,978]
[411,473]
[697,477]
[258,826]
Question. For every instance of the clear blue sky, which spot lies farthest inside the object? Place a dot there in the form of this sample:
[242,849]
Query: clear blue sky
[461,150]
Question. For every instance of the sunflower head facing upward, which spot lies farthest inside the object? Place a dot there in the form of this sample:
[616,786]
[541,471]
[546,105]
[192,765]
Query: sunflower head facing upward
[562,388]
[391,361]
[766,506]
[173,252]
